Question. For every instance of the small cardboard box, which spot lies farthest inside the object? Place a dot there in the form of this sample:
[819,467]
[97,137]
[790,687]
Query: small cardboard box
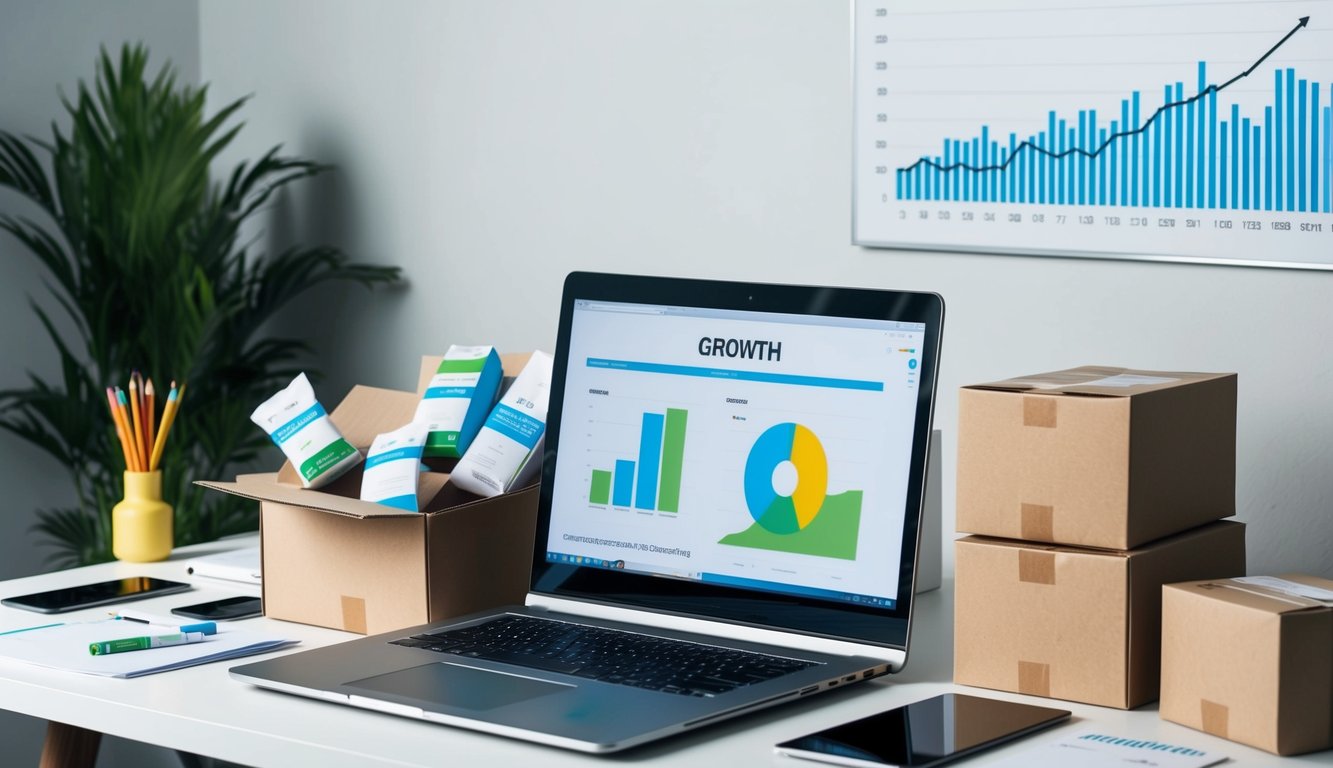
[1096,456]
[333,560]
[1076,624]
[1251,660]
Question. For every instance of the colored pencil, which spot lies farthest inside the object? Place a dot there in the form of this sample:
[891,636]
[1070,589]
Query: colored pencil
[149,417]
[122,419]
[168,418]
[136,419]
[120,428]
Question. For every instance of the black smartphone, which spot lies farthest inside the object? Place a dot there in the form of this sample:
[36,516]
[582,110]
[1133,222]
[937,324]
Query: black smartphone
[89,595]
[226,609]
[926,733]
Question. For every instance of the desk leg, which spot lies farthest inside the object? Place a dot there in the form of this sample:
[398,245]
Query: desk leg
[68,746]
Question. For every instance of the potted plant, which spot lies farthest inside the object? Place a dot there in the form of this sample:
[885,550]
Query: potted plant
[146,259]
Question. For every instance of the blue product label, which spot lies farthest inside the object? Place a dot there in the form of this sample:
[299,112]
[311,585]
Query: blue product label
[435,392]
[516,425]
[284,433]
[410,452]
[406,501]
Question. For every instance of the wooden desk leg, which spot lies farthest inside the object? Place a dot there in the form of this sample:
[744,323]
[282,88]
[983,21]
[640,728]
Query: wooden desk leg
[68,746]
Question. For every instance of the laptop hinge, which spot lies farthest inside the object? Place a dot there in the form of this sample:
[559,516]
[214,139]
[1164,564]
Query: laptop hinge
[893,657]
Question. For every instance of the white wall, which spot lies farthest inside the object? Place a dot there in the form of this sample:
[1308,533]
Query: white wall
[489,148]
[45,45]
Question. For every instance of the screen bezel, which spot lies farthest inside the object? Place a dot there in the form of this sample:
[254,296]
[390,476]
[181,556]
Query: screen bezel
[67,599]
[771,610]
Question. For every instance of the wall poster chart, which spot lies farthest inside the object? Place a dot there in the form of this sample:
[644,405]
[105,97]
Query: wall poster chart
[1184,131]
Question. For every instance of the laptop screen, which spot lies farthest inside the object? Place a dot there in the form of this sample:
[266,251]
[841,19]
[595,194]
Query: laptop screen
[767,451]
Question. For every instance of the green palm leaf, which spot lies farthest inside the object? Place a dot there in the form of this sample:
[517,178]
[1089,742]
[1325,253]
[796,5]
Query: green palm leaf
[143,255]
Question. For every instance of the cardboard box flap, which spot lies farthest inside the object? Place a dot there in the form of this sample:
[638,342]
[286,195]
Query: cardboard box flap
[1097,380]
[268,487]
[1266,594]
[1038,546]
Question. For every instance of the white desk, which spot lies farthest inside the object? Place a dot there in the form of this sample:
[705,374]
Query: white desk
[202,710]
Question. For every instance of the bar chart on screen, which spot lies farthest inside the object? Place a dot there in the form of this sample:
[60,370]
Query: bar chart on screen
[1195,131]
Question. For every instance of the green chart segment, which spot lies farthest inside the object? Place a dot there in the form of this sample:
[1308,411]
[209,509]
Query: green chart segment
[806,521]
[653,481]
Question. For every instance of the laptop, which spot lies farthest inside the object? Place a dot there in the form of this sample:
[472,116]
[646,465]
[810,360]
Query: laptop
[729,513]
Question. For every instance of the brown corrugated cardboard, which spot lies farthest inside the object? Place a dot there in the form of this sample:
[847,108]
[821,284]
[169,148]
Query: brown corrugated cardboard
[333,560]
[1096,456]
[1070,623]
[1250,663]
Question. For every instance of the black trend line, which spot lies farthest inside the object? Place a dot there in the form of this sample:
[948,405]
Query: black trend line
[1027,143]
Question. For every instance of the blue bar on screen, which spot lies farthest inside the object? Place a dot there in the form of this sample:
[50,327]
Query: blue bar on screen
[650,460]
[622,493]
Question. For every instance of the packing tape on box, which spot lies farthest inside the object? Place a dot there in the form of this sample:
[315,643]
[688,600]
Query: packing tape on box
[1037,522]
[1214,717]
[1036,567]
[354,614]
[1034,679]
[1039,412]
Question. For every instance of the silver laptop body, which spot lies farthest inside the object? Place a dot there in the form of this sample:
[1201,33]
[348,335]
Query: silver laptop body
[728,465]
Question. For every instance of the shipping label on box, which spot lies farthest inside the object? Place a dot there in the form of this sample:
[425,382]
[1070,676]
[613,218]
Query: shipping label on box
[1251,660]
[1076,624]
[1096,456]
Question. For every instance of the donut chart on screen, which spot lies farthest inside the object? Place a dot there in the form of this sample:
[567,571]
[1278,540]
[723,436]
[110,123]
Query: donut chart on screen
[773,511]
[802,518]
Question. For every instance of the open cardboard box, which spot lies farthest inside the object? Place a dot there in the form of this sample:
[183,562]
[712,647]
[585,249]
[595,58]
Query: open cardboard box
[332,560]
[1096,456]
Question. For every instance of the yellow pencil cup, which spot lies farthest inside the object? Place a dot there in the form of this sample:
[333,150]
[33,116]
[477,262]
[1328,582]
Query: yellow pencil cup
[141,522]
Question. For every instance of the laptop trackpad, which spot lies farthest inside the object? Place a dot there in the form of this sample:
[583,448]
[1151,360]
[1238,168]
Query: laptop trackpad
[453,685]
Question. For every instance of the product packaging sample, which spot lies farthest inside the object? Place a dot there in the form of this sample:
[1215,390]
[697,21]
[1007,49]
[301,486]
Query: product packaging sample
[393,467]
[1251,660]
[458,398]
[511,436]
[298,424]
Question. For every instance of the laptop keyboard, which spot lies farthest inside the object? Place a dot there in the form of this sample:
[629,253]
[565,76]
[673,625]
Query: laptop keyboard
[609,655]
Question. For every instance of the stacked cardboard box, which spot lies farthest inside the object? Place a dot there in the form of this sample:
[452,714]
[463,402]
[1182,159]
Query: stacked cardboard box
[1087,490]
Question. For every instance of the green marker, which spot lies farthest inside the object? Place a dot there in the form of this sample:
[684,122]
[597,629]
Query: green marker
[144,643]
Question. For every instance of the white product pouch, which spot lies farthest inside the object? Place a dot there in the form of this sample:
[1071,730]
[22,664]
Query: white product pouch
[458,398]
[393,467]
[297,422]
[511,436]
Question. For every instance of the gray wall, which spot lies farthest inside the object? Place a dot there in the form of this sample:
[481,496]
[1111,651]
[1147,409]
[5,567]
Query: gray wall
[489,148]
[45,45]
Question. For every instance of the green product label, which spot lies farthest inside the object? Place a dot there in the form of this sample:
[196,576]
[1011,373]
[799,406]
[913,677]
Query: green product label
[331,454]
[443,443]
[473,365]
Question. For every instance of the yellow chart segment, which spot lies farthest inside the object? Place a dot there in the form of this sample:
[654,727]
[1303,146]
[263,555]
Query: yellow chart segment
[812,472]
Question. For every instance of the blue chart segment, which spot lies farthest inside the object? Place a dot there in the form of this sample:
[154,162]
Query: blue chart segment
[993,126]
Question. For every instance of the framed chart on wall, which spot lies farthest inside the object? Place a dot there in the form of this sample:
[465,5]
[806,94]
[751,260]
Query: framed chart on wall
[1198,132]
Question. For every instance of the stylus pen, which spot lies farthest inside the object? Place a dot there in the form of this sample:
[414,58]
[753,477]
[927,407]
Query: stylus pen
[207,627]
[144,643]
